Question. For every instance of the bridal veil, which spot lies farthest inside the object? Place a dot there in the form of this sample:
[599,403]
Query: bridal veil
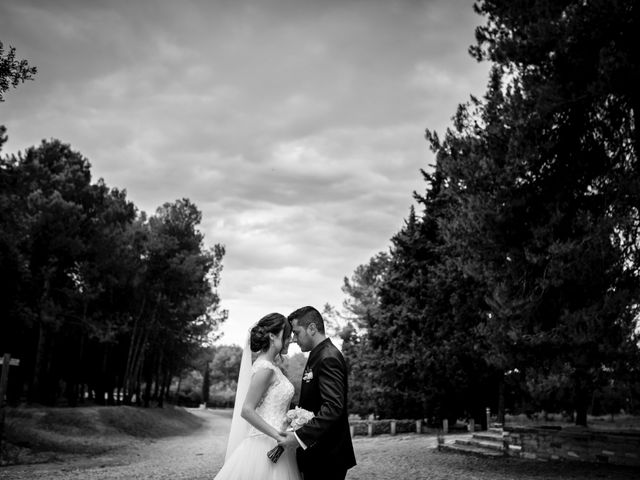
[239,426]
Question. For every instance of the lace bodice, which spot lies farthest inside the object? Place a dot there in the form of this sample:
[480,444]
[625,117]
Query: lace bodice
[276,400]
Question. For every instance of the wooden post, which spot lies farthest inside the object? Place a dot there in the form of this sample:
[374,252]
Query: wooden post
[370,429]
[440,440]
[352,430]
[6,363]
[472,425]
[393,427]
[419,426]
[445,426]
[505,443]
[488,418]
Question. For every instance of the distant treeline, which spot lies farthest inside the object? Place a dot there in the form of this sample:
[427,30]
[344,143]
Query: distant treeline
[516,286]
[97,299]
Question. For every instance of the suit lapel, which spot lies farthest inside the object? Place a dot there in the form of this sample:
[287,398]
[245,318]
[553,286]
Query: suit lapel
[314,356]
[315,353]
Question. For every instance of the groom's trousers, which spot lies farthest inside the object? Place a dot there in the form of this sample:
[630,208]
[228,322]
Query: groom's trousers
[325,475]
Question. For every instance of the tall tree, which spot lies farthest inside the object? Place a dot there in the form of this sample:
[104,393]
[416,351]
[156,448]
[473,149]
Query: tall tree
[544,177]
[12,221]
[360,308]
[178,299]
[412,354]
[56,184]
[523,266]
[100,302]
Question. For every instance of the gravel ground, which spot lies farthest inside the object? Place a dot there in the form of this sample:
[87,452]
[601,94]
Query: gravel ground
[199,456]
[415,457]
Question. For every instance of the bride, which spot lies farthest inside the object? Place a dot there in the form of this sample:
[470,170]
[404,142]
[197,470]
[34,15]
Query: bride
[262,400]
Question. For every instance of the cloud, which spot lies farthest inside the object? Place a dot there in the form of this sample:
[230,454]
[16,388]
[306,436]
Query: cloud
[296,126]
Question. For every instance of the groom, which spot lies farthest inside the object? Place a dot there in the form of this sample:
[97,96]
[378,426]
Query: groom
[325,450]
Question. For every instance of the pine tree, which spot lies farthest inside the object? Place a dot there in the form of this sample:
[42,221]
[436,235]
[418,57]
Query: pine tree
[545,179]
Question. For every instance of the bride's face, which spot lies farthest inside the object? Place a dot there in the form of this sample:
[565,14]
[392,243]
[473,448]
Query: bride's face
[280,343]
[286,340]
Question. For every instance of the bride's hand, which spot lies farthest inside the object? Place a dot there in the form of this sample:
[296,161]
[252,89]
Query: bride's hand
[282,436]
[289,440]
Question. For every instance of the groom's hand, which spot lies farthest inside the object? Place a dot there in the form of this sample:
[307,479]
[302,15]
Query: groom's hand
[289,440]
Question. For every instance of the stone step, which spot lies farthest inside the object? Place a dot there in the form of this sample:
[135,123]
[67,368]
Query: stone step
[480,444]
[488,436]
[495,430]
[470,449]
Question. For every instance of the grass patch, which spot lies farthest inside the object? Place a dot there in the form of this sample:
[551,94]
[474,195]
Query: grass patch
[40,434]
[71,422]
[603,422]
[149,423]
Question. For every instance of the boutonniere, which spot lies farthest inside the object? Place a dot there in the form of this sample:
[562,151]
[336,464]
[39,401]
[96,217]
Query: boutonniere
[307,376]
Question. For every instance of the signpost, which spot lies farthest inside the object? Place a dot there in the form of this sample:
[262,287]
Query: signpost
[13,362]
[7,362]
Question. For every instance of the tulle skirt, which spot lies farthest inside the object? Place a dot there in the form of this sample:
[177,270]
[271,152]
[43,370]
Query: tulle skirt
[249,462]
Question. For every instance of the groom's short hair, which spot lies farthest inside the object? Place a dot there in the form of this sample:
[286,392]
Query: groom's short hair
[306,316]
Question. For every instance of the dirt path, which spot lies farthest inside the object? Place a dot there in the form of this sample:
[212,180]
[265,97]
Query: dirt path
[199,456]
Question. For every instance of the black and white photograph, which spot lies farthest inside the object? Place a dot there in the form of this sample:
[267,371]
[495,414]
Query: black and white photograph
[319,239]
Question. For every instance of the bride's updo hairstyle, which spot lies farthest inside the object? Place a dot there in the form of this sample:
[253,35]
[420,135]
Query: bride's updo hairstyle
[273,323]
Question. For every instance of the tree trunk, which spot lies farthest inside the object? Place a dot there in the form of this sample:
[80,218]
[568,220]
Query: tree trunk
[166,380]
[36,394]
[104,376]
[158,375]
[501,400]
[582,394]
[205,383]
[177,401]
[148,384]
[581,416]
[128,371]
[119,391]
[42,388]
[74,394]
[81,393]
[133,348]
[138,389]
[139,362]
[139,354]
[51,390]
[481,417]
[160,398]
[156,387]
[147,391]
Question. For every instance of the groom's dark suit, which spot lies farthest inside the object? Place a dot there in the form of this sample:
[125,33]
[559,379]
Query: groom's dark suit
[329,453]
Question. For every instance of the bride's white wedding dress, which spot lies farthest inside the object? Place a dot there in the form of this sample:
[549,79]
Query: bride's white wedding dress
[249,460]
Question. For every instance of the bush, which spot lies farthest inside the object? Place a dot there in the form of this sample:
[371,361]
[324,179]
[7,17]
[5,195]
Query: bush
[189,399]
[221,400]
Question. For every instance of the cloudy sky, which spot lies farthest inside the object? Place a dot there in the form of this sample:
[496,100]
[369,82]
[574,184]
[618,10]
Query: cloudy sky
[296,126]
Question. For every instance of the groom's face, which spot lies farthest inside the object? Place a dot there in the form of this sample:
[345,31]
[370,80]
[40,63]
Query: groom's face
[302,336]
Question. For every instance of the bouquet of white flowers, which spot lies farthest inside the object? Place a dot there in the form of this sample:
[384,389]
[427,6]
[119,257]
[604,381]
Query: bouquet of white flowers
[296,418]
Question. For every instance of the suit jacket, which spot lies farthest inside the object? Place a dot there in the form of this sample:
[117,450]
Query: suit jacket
[324,392]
